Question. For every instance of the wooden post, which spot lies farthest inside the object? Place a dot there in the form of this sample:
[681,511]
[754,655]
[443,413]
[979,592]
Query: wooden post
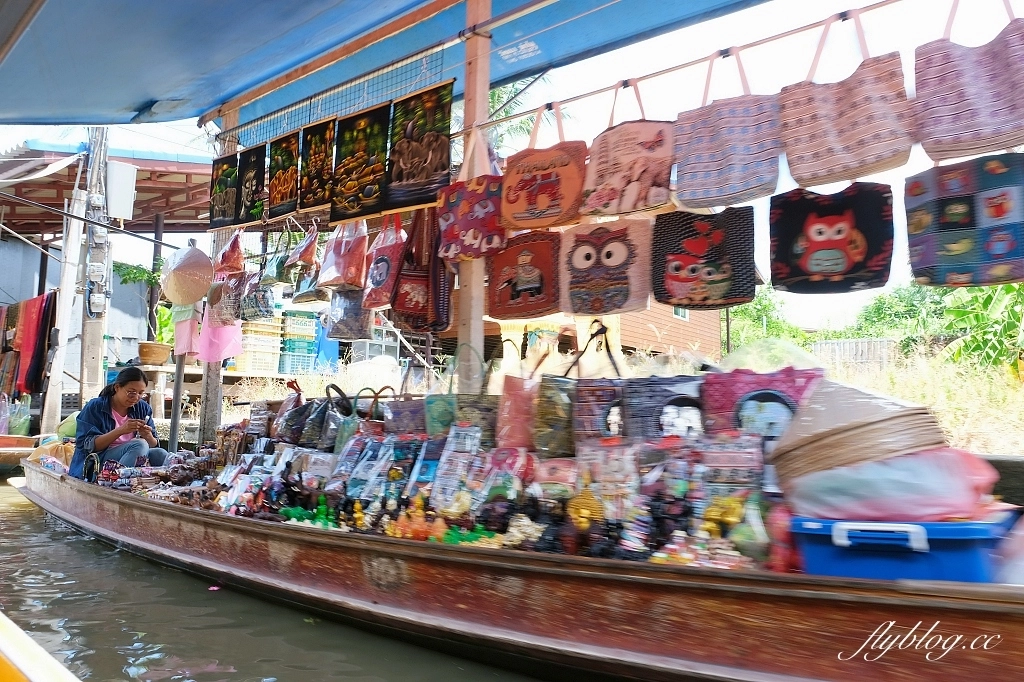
[471,273]
[154,292]
[212,388]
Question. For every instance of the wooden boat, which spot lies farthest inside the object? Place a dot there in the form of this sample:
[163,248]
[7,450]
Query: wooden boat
[565,617]
[12,450]
[22,660]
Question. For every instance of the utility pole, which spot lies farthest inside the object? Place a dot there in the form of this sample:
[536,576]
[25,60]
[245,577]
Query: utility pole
[96,270]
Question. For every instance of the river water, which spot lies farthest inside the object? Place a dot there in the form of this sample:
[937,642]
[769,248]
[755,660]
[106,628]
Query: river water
[110,616]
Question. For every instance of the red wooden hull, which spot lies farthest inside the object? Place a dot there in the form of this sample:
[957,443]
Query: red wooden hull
[554,614]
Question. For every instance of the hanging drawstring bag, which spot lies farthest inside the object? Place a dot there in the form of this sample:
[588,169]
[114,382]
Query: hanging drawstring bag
[230,260]
[842,131]
[275,271]
[412,288]
[257,301]
[630,164]
[469,210]
[344,263]
[968,99]
[346,319]
[383,262]
[544,187]
[524,277]
[727,152]
[605,267]
[704,262]
[831,243]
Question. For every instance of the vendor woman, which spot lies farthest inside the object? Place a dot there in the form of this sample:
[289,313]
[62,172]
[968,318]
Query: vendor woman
[118,425]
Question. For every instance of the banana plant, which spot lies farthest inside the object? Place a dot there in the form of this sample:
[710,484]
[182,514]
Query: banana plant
[988,320]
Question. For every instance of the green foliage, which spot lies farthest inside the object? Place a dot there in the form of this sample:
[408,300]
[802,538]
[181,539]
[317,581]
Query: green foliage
[911,310]
[761,319]
[988,320]
[135,274]
[164,332]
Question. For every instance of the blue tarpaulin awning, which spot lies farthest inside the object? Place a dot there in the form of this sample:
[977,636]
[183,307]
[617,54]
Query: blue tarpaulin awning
[115,61]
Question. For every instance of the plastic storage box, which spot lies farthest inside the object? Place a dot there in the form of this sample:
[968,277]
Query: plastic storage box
[960,551]
[257,361]
[296,363]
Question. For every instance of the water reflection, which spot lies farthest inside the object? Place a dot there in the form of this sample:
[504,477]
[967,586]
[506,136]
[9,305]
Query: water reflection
[109,616]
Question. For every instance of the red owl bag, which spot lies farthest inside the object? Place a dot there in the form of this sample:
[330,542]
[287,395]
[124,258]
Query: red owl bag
[469,210]
[544,187]
[383,263]
[704,262]
[604,267]
[831,243]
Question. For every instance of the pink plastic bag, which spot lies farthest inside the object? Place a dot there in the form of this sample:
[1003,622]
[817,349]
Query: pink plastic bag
[219,343]
[931,485]
[186,337]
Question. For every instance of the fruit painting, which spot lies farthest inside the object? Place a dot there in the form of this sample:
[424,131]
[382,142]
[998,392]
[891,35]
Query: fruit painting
[223,191]
[252,180]
[419,163]
[316,170]
[284,174]
[359,163]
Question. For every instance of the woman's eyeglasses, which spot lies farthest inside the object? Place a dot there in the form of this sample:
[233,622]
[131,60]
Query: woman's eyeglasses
[136,394]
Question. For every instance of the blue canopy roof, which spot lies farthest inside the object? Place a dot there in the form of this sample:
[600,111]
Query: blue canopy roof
[117,61]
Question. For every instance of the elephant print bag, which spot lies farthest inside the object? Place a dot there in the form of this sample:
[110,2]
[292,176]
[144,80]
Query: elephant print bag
[524,277]
[831,243]
[630,165]
[383,262]
[544,187]
[469,211]
[604,267]
[704,262]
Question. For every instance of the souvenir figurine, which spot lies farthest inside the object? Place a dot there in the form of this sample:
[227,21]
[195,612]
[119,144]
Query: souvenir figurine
[357,515]
[437,529]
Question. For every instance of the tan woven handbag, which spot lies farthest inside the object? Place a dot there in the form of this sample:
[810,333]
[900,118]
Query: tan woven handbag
[862,125]
[968,98]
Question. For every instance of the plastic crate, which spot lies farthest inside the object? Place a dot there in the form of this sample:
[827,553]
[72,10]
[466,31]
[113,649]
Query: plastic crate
[302,345]
[262,328]
[258,361]
[264,342]
[296,363]
[300,326]
[902,551]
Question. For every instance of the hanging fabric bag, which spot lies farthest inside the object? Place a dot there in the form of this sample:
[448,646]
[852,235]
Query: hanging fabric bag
[727,152]
[968,98]
[596,399]
[305,253]
[630,165]
[516,410]
[659,406]
[544,187]
[831,243]
[405,414]
[344,264]
[704,262]
[524,281]
[412,288]
[605,267]
[338,414]
[372,423]
[966,222]
[842,131]
[442,408]
[469,210]
[383,262]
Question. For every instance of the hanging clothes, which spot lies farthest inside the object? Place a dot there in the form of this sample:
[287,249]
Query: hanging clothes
[28,329]
[8,372]
[36,371]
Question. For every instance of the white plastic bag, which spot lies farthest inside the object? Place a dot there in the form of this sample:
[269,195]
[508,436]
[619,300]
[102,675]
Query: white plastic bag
[931,485]
[5,413]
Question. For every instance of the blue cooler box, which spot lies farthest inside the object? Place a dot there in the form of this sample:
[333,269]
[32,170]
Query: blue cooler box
[902,551]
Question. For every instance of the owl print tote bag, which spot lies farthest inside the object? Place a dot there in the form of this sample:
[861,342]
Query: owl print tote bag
[831,243]
[968,98]
[727,152]
[604,267]
[846,130]
[704,262]
[630,165]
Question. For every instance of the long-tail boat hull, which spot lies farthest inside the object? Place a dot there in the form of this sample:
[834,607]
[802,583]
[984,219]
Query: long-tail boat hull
[553,615]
